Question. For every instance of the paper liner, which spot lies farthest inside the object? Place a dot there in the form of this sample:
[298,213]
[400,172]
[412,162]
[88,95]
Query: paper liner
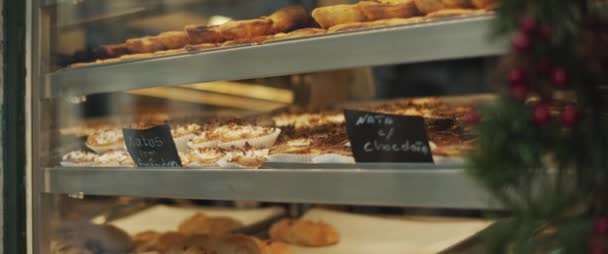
[72,164]
[291,158]
[103,149]
[333,158]
[259,142]
[225,162]
[207,144]
[181,142]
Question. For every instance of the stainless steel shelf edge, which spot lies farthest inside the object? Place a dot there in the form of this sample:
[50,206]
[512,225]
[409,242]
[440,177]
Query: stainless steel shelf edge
[438,188]
[445,39]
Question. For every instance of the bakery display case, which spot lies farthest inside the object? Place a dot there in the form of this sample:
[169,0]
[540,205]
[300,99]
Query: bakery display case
[231,126]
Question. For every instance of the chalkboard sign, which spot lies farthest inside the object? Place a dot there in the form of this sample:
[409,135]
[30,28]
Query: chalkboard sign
[376,137]
[153,147]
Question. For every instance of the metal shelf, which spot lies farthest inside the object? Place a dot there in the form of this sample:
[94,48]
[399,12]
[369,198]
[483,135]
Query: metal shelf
[437,187]
[442,39]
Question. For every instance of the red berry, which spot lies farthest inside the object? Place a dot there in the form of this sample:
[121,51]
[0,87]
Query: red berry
[600,226]
[519,91]
[517,75]
[559,77]
[528,25]
[472,117]
[569,117]
[541,114]
[521,42]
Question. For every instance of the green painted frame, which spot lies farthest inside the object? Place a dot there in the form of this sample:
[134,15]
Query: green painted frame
[13,127]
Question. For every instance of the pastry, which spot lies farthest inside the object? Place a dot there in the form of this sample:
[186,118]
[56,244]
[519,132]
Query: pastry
[329,16]
[236,136]
[304,233]
[199,223]
[105,140]
[148,44]
[204,139]
[376,10]
[145,241]
[288,18]
[428,6]
[173,40]
[274,247]
[114,158]
[202,34]
[202,157]
[79,158]
[201,46]
[183,133]
[303,32]
[246,29]
[111,51]
[454,13]
[485,4]
[377,23]
[244,158]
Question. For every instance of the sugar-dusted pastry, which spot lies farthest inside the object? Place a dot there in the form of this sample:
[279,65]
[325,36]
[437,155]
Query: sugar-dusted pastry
[202,156]
[454,13]
[183,133]
[199,223]
[247,157]
[148,44]
[428,6]
[115,158]
[235,136]
[173,39]
[329,16]
[105,140]
[288,18]
[304,233]
[376,10]
[79,158]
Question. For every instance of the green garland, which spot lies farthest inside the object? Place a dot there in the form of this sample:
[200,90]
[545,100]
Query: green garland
[543,147]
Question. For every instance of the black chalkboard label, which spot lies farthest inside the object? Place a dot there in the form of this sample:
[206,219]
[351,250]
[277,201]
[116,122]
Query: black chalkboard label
[153,147]
[376,137]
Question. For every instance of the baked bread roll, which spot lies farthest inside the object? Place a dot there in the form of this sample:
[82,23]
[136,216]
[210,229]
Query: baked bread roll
[199,223]
[304,233]
[375,10]
[274,247]
[288,18]
[484,4]
[329,16]
[428,6]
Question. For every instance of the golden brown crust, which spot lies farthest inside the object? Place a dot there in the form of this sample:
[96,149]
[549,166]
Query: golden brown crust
[288,18]
[202,34]
[113,50]
[485,4]
[173,39]
[303,32]
[304,232]
[146,44]
[245,29]
[428,6]
[377,23]
[377,10]
[202,46]
[257,39]
[329,16]
[274,247]
[454,13]
[201,224]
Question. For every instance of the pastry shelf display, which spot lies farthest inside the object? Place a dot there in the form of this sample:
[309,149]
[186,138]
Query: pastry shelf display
[417,41]
[371,184]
